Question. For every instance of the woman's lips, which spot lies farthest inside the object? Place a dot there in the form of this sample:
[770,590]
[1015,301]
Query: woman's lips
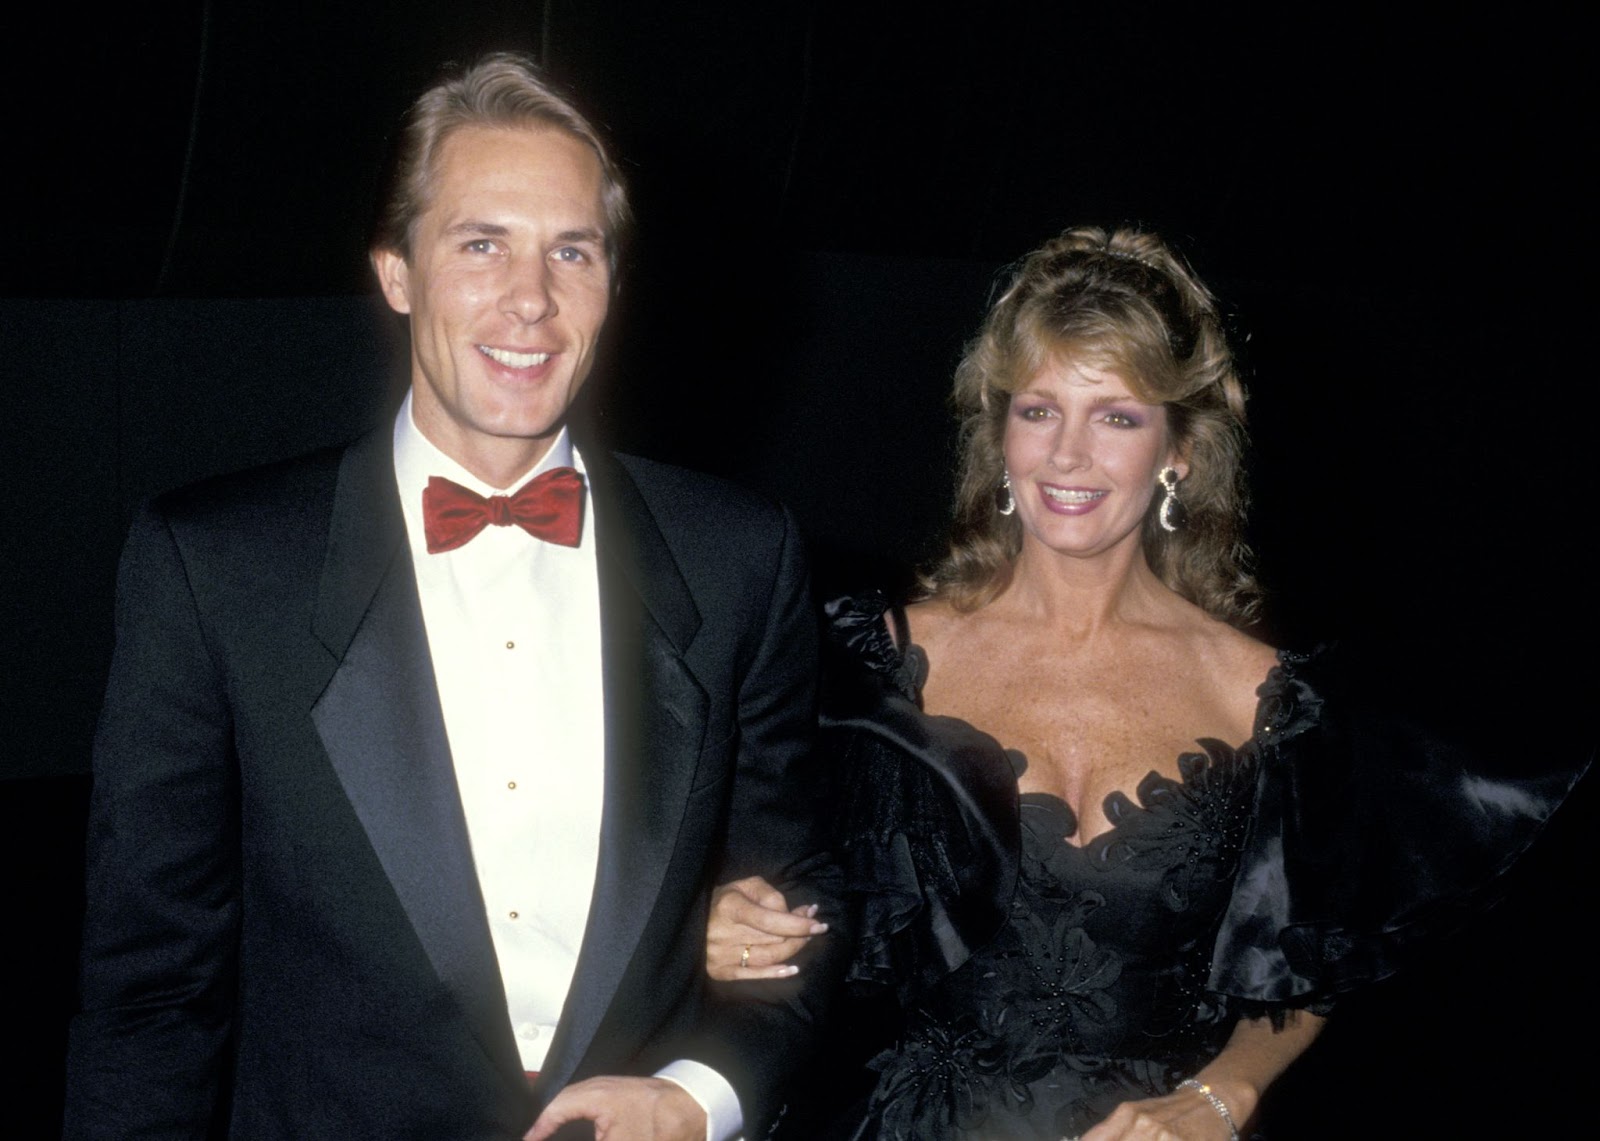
[1071,500]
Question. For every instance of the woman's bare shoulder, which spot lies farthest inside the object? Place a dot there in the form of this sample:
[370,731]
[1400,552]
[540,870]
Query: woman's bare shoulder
[1238,660]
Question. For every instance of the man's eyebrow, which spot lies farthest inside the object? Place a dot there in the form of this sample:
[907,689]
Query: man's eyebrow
[495,230]
[481,229]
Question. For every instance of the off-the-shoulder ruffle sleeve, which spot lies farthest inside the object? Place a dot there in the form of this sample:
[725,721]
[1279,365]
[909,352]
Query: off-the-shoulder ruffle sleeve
[928,832]
[1370,836]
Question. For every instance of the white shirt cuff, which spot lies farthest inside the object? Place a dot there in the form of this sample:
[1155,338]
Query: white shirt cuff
[724,1119]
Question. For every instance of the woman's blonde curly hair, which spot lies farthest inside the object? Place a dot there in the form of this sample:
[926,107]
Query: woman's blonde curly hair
[1126,302]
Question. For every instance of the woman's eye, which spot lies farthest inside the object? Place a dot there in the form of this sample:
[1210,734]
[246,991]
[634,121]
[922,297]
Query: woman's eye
[1034,414]
[1121,420]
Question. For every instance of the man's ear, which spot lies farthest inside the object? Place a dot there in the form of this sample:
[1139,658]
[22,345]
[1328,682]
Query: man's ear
[394,278]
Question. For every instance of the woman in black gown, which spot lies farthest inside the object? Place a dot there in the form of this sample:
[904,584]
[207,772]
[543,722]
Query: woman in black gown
[1099,836]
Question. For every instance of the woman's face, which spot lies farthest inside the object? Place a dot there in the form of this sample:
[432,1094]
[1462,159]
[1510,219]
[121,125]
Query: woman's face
[1083,452]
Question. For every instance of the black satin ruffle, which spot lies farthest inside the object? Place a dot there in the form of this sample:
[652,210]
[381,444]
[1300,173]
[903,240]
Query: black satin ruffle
[928,834]
[1370,837]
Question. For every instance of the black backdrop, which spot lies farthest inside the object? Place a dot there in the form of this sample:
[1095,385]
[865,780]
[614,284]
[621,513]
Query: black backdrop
[1395,208]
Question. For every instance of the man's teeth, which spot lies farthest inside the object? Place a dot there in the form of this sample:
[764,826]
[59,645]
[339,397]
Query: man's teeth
[1063,495]
[513,360]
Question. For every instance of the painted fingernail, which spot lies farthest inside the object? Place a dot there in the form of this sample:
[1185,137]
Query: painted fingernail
[818,928]
[786,972]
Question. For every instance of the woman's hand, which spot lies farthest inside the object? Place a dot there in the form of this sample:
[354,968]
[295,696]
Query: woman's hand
[1255,1055]
[1182,1115]
[753,932]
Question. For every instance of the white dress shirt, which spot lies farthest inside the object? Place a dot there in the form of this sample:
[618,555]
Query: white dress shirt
[513,627]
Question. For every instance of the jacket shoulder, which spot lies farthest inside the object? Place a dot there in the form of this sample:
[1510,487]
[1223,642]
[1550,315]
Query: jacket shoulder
[265,529]
[285,485]
[685,500]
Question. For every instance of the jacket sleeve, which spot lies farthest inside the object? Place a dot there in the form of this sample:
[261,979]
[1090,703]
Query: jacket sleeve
[762,1032]
[147,1049]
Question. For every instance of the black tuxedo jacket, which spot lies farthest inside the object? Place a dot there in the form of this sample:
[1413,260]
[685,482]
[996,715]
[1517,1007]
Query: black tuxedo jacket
[285,936]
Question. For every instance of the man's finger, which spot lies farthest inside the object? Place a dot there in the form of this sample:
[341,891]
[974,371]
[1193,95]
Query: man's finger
[625,1108]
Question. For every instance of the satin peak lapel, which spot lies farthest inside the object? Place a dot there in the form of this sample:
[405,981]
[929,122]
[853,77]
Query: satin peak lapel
[380,722]
[655,722]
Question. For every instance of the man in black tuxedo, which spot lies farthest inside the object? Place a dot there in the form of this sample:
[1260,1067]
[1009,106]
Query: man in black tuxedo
[419,758]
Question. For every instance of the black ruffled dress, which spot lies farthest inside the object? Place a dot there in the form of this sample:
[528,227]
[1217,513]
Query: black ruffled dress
[1043,983]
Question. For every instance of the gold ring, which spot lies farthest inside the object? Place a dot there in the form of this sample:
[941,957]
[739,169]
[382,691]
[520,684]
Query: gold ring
[744,956]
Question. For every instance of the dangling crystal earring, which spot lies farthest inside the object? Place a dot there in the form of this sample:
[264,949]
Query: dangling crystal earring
[1003,501]
[1167,477]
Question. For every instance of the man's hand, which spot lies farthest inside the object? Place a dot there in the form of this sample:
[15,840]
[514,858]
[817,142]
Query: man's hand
[625,1109]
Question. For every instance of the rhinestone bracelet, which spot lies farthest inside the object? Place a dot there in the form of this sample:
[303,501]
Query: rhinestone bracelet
[1204,1091]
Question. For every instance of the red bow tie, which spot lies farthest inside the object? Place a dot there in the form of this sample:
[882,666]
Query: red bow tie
[549,508]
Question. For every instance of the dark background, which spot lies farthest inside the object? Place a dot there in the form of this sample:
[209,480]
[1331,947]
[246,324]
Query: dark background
[1394,209]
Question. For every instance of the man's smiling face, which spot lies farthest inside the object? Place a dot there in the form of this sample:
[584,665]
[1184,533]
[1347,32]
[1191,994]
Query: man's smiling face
[507,287]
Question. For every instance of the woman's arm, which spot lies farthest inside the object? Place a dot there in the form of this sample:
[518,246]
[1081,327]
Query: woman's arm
[1252,1060]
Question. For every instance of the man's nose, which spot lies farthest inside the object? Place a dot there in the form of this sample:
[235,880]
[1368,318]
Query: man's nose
[528,295]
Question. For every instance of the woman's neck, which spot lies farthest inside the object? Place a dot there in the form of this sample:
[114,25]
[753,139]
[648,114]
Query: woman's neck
[1080,597]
